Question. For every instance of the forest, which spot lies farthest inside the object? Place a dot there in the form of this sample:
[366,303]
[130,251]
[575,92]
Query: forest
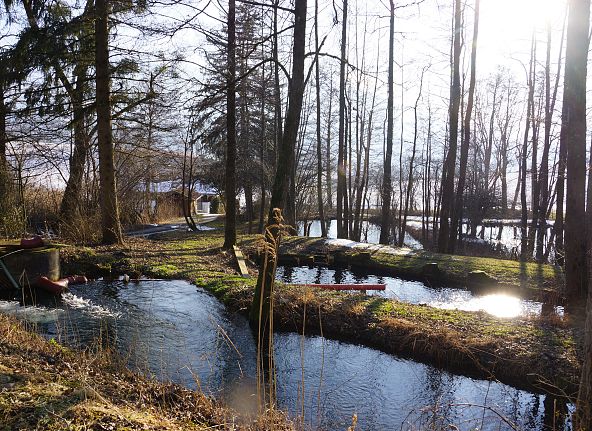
[404,184]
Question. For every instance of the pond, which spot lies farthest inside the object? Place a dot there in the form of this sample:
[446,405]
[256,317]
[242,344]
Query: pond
[175,330]
[502,235]
[370,232]
[414,292]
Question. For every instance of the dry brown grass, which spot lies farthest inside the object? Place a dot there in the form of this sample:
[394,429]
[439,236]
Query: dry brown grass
[44,386]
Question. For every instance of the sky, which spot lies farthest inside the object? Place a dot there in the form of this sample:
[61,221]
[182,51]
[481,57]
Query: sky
[422,41]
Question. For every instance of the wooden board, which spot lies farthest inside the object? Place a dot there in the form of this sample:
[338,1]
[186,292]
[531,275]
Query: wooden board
[242,266]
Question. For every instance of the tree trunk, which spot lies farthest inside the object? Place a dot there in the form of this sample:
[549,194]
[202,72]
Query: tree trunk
[70,205]
[559,214]
[320,202]
[387,187]
[449,167]
[544,174]
[111,228]
[262,148]
[535,185]
[230,169]
[328,149]
[464,150]
[411,166]
[341,179]
[260,314]
[5,182]
[524,156]
[574,99]
[583,416]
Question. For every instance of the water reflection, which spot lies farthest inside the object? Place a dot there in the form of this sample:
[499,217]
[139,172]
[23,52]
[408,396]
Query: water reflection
[174,330]
[499,305]
[415,292]
[370,232]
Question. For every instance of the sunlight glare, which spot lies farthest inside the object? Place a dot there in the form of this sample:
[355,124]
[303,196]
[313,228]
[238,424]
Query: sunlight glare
[506,26]
[497,304]
[500,305]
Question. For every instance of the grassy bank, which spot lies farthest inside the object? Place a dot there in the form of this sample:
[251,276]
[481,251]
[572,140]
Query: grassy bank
[528,279]
[46,386]
[527,352]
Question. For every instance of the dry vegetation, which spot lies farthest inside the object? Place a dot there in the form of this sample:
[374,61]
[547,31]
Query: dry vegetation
[46,386]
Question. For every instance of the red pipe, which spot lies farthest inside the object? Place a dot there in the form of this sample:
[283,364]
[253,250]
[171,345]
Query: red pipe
[344,286]
[34,242]
[57,287]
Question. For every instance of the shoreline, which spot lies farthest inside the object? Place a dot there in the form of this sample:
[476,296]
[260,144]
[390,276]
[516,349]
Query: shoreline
[536,354]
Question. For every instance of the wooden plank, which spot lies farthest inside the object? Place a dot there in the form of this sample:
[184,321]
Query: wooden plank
[344,286]
[242,266]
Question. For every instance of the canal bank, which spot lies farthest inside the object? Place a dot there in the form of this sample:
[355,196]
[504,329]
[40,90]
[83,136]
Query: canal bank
[530,352]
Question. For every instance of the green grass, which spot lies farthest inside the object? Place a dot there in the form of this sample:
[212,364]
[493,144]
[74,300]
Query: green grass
[453,269]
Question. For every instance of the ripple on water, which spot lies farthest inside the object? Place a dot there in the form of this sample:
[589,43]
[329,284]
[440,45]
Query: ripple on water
[31,314]
[174,330]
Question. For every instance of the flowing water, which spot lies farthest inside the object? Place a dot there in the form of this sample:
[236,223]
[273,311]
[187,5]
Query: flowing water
[414,292]
[177,331]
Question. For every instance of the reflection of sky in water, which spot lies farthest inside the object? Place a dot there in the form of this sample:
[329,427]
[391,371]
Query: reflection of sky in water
[499,305]
[176,331]
[370,233]
[414,292]
[509,239]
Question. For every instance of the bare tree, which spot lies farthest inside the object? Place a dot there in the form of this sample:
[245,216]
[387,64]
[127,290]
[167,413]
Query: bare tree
[387,187]
[524,154]
[448,170]
[320,201]
[464,150]
[342,222]
[574,100]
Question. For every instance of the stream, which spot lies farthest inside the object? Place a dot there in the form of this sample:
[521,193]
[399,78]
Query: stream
[414,292]
[175,330]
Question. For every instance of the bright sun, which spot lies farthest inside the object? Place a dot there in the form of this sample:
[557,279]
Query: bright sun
[506,26]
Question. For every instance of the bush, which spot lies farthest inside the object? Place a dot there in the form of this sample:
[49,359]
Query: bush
[215,205]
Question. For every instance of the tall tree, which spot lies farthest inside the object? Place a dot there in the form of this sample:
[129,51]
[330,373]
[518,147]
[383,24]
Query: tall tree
[574,100]
[230,184]
[550,99]
[342,223]
[260,308]
[320,201]
[584,405]
[387,186]
[410,178]
[449,167]
[5,181]
[111,228]
[524,154]
[464,150]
